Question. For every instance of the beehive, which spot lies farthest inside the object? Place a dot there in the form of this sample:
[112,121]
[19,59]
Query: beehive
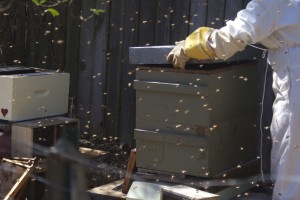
[196,122]
[28,93]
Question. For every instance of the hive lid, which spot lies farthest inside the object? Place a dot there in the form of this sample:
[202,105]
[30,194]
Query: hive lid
[156,55]
[16,70]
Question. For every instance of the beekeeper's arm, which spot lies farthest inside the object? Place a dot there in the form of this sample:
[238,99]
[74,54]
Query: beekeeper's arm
[251,25]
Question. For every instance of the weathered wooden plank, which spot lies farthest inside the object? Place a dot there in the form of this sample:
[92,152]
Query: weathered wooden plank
[215,14]
[13,176]
[130,35]
[198,13]
[99,69]
[31,38]
[72,46]
[87,47]
[108,192]
[9,26]
[58,32]
[163,22]
[147,22]
[19,184]
[5,139]
[31,138]
[180,20]
[44,42]
[232,8]
[18,33]
[91,153]
[22,142]
[115,48]
[131,167]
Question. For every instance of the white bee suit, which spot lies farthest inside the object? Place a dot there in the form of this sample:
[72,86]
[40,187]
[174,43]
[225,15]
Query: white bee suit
[275,24]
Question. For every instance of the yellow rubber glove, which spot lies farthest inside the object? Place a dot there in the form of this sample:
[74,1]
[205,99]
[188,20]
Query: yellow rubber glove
[194,46]
[177,56]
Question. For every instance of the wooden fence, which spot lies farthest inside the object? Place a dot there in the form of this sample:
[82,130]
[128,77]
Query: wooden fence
[94,49]
[133,23]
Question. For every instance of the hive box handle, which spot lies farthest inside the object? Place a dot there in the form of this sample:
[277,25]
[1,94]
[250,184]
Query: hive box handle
[41,93]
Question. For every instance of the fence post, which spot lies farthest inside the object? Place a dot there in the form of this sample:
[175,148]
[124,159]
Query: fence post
[65,173]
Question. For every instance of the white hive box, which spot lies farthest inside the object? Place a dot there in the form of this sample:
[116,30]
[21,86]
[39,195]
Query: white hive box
[32,94]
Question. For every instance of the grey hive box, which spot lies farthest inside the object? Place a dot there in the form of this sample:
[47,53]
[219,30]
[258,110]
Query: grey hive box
[196,122]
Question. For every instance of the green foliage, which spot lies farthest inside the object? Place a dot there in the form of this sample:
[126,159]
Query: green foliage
[54,12]
[49,8]
[97,11]
[38,2]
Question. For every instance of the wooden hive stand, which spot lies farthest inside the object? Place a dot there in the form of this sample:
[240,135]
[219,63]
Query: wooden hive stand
[34,137]
[5,134]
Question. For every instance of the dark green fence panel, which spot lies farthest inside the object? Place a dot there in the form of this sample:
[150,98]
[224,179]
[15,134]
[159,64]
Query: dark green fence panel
[180,20]
[163,22]
[99,71]
[216,13]
[198,14]
[127,98]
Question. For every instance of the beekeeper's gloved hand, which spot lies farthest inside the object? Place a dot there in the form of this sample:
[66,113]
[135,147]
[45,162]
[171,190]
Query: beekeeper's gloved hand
[177,56]
[194,46]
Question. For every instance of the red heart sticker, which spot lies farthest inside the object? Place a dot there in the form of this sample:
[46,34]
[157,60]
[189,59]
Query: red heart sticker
[4,111]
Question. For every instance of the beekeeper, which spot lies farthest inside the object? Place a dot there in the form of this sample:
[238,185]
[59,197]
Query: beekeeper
[276,25]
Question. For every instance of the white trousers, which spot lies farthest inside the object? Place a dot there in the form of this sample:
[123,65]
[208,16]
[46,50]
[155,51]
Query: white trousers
[285,127]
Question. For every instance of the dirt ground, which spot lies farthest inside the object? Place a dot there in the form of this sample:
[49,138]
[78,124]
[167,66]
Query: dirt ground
[109,167]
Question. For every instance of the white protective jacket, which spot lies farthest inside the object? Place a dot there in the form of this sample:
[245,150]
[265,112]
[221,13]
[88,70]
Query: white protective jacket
[275,24]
